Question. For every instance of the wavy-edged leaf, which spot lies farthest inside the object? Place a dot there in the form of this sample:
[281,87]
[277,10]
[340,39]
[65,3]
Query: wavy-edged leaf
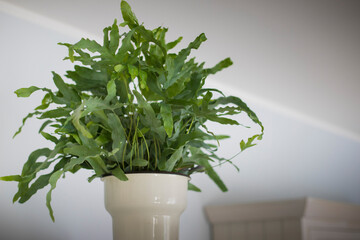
[174,158]
[106,41]
[92,177]
[73,162]
[53,180]
[237,101]
[122,87]
[126,45]
[86,78]
[128,15]
[118,135]
[33,157]
[179,61]
[80,150]
[27,192]
[134,71]
[30,115]
[205,101]
[119,173]
[165,111]
[182,139]
[114,38]
[64,89]
[173,44]
[142,78]
[49,137]
[77,123]
[218,67]
[111,90]
[45,124]
[192,88]
[149,111]
[148,35]
[249,143]
[93,47]
[70,49]
[56,113]
[45,103]
[153,90]
[85,58]
[95,105]
[210,90]
[222,120]
[180,79]
[149,118]
[98,165]
[204,161]
[39,183]
[26,92]
[15,178]
[139,162]
[119,67]
[192,187]
[228,110]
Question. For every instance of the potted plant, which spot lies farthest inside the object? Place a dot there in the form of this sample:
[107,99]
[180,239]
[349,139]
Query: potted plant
[135,115]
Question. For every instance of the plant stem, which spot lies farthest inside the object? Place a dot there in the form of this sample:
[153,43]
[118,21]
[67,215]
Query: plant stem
[185,124]
[155,153]
[123,155]
[192,121]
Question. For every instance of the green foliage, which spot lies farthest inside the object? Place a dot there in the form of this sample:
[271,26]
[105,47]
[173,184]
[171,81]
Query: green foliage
[132,106]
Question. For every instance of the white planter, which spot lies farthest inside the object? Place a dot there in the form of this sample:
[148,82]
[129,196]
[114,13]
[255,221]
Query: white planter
[147,206]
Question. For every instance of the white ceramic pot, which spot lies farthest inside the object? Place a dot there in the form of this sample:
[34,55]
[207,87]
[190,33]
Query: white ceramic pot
[147,206]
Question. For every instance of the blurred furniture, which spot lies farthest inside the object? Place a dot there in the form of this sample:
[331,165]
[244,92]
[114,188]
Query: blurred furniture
[303,219]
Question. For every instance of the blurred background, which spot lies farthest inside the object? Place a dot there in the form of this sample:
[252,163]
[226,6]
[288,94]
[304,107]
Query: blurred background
[296,64]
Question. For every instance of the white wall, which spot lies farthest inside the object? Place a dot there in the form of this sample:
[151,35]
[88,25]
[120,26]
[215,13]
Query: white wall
[293,160]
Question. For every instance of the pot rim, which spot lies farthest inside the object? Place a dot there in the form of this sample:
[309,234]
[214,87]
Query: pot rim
[150,172]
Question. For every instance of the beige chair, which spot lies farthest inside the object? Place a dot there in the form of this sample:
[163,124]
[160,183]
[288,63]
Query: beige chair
[303,219]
